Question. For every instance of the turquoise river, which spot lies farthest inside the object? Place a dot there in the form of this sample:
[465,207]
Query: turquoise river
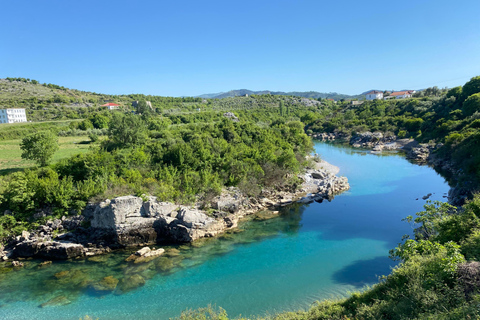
[307,253]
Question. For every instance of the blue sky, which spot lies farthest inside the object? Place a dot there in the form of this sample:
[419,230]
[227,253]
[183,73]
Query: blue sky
[176,48]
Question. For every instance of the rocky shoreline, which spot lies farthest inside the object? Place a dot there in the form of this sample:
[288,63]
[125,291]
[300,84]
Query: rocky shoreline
[422,153]
[141,221]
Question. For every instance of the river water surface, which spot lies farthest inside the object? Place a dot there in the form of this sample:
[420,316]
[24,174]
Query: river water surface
[308,253]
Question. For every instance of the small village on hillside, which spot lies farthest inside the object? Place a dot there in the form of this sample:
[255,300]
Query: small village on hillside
[379,95]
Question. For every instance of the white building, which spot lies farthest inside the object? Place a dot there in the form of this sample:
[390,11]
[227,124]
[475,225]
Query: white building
[112,106]
[12,115]
[401,94]
[374,94]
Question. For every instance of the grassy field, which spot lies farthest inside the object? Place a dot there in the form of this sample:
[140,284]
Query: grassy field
[10,131]
[11,155]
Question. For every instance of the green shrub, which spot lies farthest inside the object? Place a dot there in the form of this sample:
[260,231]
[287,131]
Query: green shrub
[93,137]
[402,134]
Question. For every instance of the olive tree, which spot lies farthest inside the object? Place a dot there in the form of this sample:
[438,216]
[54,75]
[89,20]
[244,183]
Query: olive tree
[40,147]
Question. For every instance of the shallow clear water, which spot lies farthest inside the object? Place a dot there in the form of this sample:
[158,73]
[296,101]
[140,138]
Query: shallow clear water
[308,253]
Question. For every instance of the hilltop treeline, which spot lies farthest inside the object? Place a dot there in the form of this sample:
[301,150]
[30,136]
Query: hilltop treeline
[46,102]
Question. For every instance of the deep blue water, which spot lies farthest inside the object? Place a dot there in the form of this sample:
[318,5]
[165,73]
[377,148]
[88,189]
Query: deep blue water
[309,253]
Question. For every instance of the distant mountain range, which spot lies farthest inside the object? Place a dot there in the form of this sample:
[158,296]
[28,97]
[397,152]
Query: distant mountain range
[308,94]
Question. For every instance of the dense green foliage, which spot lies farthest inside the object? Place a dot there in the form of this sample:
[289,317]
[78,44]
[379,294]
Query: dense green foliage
[450,117]
[142,155]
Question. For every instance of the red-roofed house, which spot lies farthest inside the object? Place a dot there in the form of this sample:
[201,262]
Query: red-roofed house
[110,106]
[401,94]
[374,94]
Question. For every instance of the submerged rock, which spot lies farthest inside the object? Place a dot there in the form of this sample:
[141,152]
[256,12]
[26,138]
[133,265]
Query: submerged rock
[45,263]
[172,252]
[106,284]
[265,215]
[61,274]
[55,302]
[164,264]
[130,283]
[4,270]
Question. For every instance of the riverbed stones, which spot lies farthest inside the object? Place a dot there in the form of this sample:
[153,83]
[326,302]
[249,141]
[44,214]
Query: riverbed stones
[61,274]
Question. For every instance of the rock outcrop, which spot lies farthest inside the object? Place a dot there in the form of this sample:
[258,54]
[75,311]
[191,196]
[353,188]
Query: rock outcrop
[376,140]
[142,221]
[145,255]
[327,136]
[232,116]
[322,184]
[131,221]
[421,153]
[49,250]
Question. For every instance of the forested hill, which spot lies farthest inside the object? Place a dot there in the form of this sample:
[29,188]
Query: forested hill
[307,94]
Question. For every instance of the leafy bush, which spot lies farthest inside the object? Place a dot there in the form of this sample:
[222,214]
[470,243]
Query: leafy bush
[39,147]
[93,137]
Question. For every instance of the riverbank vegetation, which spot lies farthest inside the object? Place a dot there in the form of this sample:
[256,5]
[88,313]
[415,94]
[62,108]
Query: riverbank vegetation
[186,149]
[450,118]
[438,277]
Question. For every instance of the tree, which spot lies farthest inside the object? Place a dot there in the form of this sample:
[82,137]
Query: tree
[127,129]
[40,147]
[471,105]
[455,92]
[282,108]
[471,87]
